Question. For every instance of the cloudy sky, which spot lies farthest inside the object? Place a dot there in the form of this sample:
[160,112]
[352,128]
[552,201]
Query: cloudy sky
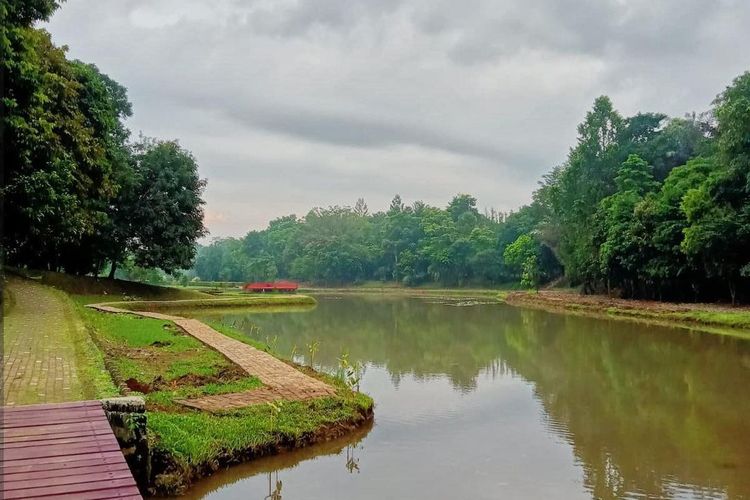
[290,104]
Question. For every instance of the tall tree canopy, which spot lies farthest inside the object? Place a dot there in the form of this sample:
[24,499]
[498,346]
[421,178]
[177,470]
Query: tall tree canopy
[75,191]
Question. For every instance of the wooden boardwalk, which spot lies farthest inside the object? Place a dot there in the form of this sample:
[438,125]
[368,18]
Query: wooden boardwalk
[63,450]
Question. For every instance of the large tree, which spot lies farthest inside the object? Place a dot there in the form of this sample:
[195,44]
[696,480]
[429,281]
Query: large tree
[160,211]
[718,211]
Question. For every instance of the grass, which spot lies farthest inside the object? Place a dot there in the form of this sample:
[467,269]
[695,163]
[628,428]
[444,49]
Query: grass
[197,438]
[166,365]
[219,303]
[89,285]
[739,319]
[144,349]
[466,293]
[709,318]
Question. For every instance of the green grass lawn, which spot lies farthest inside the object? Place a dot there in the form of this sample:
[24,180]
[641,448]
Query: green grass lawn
[245,300]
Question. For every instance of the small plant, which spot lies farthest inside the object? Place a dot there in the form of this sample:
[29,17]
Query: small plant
[254,331]
[350,373]
[312,348]
[271,343]
[293,354]
[276,407]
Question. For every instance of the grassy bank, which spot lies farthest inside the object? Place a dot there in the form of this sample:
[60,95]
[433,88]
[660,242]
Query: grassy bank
[156,359]
[111,289]
[714,317]
[245,300]
[475,293]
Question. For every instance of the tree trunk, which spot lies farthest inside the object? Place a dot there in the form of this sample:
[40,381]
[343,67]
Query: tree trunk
[733,292]
[113,270]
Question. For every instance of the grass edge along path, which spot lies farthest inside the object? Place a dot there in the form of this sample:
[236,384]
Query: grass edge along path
[282,381]
[711,318]
[190,444]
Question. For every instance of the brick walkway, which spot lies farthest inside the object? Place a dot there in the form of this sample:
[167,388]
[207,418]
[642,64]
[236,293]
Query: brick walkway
[41,331]
[282,382]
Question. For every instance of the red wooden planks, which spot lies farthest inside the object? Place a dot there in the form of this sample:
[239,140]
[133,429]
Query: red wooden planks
[62,450]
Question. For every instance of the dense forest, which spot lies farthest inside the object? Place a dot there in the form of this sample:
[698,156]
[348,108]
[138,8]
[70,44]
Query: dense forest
[78,194]
[644,206]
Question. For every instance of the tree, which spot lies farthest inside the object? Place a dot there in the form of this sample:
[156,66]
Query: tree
[618,233]
[587,177]
[718,212]
[523,254]
[63,146]
[162,209]
[360,208]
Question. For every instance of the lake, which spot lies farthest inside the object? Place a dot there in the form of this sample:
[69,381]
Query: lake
[478,400]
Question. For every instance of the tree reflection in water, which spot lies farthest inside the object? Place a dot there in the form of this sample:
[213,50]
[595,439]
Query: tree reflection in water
[647,410]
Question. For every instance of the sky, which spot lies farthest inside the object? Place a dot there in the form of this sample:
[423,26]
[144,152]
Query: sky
[289,104]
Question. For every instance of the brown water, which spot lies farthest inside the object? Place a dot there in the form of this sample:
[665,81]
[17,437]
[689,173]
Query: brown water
[489,401]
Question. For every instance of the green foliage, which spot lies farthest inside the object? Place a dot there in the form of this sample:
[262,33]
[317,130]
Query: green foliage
[160,214]
[651,206]
[144,349]
[412,245]
[197,438]
[718,210]
[523,254]
[76,192]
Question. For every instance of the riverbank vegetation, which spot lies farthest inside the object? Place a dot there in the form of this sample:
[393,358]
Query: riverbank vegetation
[156,359]
[645,206]
[709,317]
[235,301]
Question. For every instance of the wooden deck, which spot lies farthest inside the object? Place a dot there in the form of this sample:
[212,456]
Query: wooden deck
[64,450]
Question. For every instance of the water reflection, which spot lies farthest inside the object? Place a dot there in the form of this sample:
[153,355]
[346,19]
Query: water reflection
[275,493]
[519,404]
[272,469]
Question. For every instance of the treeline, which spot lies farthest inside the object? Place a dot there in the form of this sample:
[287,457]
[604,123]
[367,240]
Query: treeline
[412,244]
[78,195]
[644,206]
[652,207]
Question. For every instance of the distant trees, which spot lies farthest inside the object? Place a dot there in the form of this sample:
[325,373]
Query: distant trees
[411,244]
[76,194]
[643,206]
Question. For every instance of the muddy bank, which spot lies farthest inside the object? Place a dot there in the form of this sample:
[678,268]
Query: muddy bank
[714,317]
[170,476]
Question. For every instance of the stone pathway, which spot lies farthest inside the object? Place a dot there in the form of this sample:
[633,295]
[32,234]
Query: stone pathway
[282,382]
[41,331]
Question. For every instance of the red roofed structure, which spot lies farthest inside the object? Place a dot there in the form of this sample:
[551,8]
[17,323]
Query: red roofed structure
[268,287]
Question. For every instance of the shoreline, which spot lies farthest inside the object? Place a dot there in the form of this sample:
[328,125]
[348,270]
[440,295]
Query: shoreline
[235,435]
[175,477]
[711,318]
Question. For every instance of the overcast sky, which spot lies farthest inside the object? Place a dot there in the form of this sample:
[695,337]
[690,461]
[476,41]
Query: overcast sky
[291,104]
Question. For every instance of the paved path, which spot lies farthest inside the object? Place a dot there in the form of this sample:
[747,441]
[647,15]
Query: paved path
[63,450]
[41,331]
[282,381]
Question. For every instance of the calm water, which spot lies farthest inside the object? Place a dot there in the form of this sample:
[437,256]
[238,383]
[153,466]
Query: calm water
[490,401]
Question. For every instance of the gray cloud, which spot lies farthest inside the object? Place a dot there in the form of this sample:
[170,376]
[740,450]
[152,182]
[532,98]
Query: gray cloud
[326,101]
